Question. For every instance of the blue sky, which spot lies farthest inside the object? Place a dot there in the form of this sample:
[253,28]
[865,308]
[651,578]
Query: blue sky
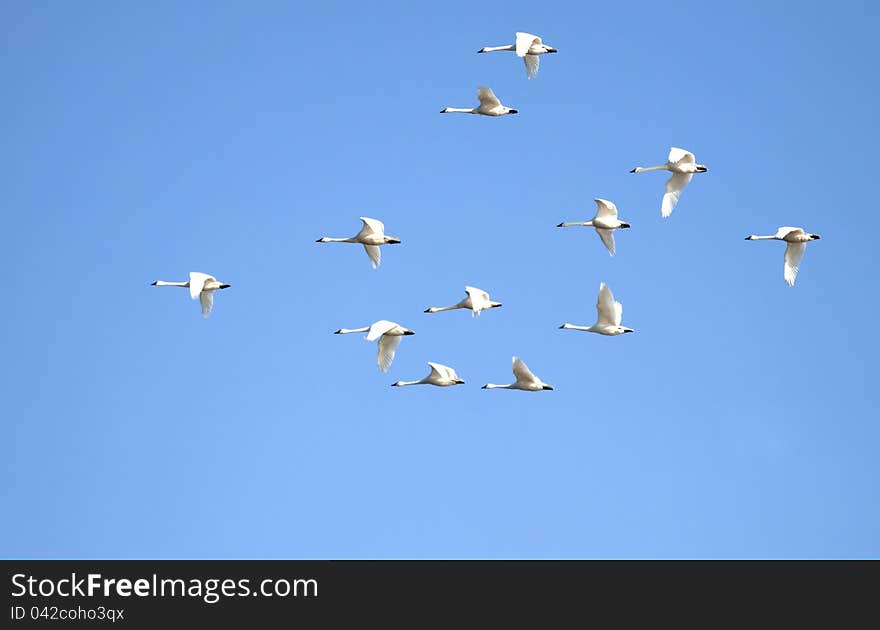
[146,140]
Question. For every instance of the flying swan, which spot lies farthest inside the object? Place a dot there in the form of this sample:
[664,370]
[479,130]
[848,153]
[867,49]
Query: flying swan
[389,335]
[525,380]
[477,300]
[528,47]
[372,235]
[605,222]
[683,165]
[609,315]
[489,105]
[441,376]
[201,286]
[797,241]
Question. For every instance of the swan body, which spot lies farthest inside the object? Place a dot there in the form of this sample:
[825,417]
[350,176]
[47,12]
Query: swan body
[201,286]
[682,164]
[797,241]
[476,301]
[605,222]
[441,376]
[609,315]
[371,236]
[489,105]
[525,380]
[528,47]
[389,335]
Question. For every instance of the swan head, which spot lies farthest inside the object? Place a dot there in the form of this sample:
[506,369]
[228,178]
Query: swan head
[392,240]
[701,168]
[625,225]
[512,111]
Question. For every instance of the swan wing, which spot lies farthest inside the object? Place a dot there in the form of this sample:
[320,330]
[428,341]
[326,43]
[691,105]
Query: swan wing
[607,237]
[609,311]
[374,253]
[524,41]
[196,282]
[487,97]
[681,156]
[605,209]
[442,372]
[377,329]
[532,62]
[674,188]
[387,348]
[207,300]
[479,298]
[522,372]
[794,253]
[785,230]
[371,226]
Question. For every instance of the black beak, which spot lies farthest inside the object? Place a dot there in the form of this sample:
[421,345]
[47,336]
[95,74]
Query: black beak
[702,169]
[409,332]
[460,382]
[748,238]
[552,50]
[816,236]
[513,111]
[393,241]
[225,286]
[497,305]
[560,225]
[625,225]
[548,387]
[633,171]
[484,387]
[338,332]
[153,284]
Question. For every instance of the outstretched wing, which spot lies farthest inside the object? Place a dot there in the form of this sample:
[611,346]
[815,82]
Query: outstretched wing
[605,209]
[479,299]
[682,156]
[371,226]
[532,62]
[387,348]
[196,282]
[524,41]
[377,329]
[522,373]
[487,97]
[609,311]
[207,300]
[674,188]
[442,371]
[794,253]
[607,237]
[374,253]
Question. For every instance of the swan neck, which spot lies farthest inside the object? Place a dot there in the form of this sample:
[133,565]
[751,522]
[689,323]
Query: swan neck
[494,48]
[328,239]
[642,169]
[438,309]
[345,331]
[162,283]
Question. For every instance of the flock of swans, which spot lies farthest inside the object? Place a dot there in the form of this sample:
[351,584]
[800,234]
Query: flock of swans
[680,162]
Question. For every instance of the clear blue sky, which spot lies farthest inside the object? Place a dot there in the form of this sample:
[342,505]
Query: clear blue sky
[146,140]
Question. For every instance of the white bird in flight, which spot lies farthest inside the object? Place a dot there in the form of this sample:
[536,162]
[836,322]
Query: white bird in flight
[201,286]
[441,376]
[372,235]
[610,313]
[477,300]
[605,222]
[683,165]
[525,380]
[389,335]
[489,105]
[797,241]
[528,47]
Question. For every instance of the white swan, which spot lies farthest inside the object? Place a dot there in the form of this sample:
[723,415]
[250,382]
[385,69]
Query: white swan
[201,286]
[389,335]
[605,222]
[372,235]
[489,105]
[609,315]
[441,376]
[683,165]
[528,47]
[477,300]
[525,380]
[797,241]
